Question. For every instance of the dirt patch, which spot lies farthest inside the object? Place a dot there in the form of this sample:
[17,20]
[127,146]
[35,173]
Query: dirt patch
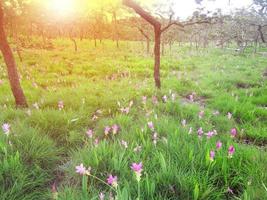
[200,100]
[246,85]
[260,143]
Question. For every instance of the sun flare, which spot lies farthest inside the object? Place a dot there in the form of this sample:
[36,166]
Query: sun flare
[62,7]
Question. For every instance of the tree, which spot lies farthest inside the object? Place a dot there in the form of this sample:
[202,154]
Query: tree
[11,64]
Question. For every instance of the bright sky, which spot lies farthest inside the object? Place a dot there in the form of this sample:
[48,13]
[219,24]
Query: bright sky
[183,8]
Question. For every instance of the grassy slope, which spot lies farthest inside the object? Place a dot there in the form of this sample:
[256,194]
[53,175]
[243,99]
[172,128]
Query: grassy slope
[47,144]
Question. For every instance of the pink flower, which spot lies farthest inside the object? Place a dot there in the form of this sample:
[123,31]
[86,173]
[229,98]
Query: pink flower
[6,128]
[210,134]
[60,105]
[124,143]
[212,155]
[231,151]
[233,132]
[164,98]
[183,122]
[107,130]
[200,132]
[101,196]
[80,169]
[96,142]
[1,82]
[115,129]
[218,145]
[155,100]
[144,98]
[191,97]
[150,126]
[90,133]
[112,180]
[201,114]
[216,113]
[229,115]
[137,167]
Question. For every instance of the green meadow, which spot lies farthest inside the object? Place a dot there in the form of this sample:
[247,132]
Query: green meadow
[76,98]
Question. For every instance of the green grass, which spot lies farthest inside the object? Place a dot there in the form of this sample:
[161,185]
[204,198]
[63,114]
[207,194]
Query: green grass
[46,144]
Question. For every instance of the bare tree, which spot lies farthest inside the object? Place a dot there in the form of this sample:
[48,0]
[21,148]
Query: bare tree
[11,64]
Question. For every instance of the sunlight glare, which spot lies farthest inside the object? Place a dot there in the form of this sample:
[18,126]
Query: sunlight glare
[62,7]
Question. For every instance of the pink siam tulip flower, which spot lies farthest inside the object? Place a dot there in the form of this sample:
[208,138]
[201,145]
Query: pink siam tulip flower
[124,144]
[90,133]
[212,155]
[218,145]
[144,99]
[150,126]
[164,98]
[191,97]
[233,132]
[183,122]
[137,168]
[101,196]
[229,115]
[80,169]
[155,100]
[60,105]
[6,128]
[1,82]
[201,114]
[231,151]
[200,132]
[112,180]
[107,130]
[96,142]
[115,129]
[210,134]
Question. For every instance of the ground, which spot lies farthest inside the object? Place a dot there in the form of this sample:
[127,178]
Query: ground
[70,93]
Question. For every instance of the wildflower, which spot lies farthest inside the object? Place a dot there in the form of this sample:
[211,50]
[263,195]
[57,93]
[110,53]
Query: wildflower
[90,133]
[212,155]
[200,132]
[112,180]
[150,126]
[218,145]
[80,169]
[101,196]
[107,130]
[6,128]
[210,134]
[183,122]
[96,142]
[137,168]
[144,98]
[115,129]
[60,105]
[155,100]
[155,138]
[36,106]
[1,82]
[191,97]
[137,149]
[229,190]
[201,114]
[124,143]
[231,151]
[229,115]
[164,98]
[216,113]
[190,131]
[233,132]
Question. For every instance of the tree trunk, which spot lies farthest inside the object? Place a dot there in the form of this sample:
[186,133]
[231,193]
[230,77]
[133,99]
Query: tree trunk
[157,30]
[11,64]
